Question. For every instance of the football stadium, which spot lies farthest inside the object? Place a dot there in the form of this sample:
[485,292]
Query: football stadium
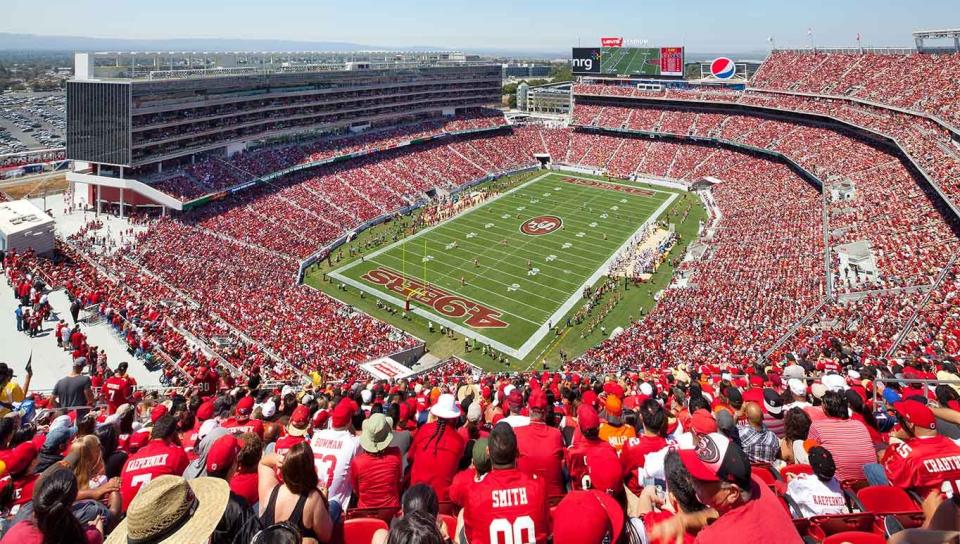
[366,297]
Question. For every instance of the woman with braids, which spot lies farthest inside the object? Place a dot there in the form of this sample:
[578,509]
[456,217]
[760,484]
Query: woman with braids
[437,448]
[53,521]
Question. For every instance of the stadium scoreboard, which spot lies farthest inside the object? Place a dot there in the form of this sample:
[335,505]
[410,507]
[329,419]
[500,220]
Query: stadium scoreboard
[628,61]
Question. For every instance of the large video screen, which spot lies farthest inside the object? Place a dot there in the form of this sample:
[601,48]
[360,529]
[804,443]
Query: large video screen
[628,61]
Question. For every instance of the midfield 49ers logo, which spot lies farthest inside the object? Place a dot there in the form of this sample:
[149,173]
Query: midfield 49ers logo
[445,303]
[543,224]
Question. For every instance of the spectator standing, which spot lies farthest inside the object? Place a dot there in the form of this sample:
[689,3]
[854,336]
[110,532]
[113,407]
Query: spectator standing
[73,390]
[847,439]
[333,449]
[437,447]
[119,388]
[635,450]
[10,390]
[376,471]
[541,446]
[612,429]
[505,501]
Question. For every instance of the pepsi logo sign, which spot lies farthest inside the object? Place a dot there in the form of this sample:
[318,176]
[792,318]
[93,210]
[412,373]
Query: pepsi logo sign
[723,68]
[540,225]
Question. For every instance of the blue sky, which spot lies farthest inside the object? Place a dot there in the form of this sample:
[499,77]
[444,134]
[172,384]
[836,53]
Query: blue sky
[700,25]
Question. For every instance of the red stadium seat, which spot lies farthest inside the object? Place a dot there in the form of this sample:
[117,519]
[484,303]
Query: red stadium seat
[361,530]
[854,537]
[765,472]
[386,514]
[840,523]
[886,499]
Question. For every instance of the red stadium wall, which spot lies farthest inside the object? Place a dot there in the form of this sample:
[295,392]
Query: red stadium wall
[112,195]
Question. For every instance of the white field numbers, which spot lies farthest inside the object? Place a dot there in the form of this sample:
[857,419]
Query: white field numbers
[521,531]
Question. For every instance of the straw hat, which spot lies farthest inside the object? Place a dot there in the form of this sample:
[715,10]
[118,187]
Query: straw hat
[376,434]
[170,510]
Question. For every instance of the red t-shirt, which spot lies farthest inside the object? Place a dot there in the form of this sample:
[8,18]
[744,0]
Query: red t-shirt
[593,464]
[504,506]
[245,485]
[461,481]
[652,519]
[117,390]
[376,478]
[633,455]
[155,459]
[246,426]
[541,453]
[207,383]
[23,489]
[760,520]
[924,464]
[434,461]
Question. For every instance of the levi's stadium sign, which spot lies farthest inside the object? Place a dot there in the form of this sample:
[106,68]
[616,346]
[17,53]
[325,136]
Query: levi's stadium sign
[611,42]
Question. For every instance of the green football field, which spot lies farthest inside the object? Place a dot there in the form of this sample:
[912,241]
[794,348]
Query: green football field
[507,270]
[630,60]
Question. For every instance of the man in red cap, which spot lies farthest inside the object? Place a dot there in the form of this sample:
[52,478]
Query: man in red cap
[505,505]
[541,446]
[141,436]
[333,450]
[241,422]
[925,460]
[587,517]
[748,512]
[593,463]
[162,455]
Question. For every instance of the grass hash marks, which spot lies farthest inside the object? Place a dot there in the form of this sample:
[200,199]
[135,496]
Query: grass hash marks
[502,271]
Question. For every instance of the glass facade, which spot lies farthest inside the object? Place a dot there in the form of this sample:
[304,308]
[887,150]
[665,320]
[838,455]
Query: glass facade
[98,122]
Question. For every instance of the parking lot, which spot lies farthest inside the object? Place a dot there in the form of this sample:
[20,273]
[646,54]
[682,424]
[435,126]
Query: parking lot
[31,121]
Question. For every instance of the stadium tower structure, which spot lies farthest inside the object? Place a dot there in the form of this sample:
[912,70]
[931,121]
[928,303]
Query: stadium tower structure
[127,123]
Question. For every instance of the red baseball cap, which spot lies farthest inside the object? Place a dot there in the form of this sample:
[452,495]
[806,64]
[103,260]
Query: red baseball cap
[320,419]
[916,413]
[537,400]
[342,413]
[587,418]
[515,399]
[205,411]
[587,517]
[157,412]
[245,406]
[717,459]
[20,457]
[703,422]
[589,398]
[613,388]
[299,421]
[222,453]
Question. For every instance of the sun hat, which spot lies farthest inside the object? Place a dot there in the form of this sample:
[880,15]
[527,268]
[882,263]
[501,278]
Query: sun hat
[446,407]
[376,434]
[171,510]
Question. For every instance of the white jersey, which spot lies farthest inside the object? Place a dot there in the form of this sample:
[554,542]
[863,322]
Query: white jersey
[332,452]
[816,497]
[653,461]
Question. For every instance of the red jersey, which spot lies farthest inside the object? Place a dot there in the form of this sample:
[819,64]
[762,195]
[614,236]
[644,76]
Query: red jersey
[23,490]
[117,390]
[632,458]
[240,427]
[207,383]
[504,506]
[245,485]
[435,460]
[541,454]
[593,464]
[924,464]
[155,459]
[376,478]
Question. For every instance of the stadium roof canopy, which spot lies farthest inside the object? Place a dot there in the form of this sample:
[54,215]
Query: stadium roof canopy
[921,35]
